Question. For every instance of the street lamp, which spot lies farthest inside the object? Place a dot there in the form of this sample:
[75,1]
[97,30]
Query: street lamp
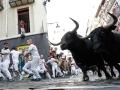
[15,3]
[57,26]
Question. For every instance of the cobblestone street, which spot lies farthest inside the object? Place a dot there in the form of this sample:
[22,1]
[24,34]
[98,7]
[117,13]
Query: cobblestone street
[67,83]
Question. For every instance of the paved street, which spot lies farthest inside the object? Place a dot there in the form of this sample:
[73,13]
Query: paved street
[67,83]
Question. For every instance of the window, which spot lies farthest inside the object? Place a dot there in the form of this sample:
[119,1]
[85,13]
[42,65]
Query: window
[23,20]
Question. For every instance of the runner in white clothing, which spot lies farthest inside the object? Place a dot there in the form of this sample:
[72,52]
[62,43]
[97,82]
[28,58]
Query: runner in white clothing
[1,75]
[33,51]
[15,56]
[42,65]
[6,61]
[55,68]
[27,67]
[42,69]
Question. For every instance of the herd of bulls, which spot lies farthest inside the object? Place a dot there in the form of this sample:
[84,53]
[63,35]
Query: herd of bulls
[101,46]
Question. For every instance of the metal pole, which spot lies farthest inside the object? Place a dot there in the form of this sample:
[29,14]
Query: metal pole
[6,4]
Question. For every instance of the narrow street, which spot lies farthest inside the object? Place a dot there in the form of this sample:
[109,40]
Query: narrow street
[42,39]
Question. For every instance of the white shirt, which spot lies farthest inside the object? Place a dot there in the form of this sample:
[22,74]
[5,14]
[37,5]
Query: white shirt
[7,54]
[42,63]
[0,58]
[15,55]
[52,62]
[22,30]
[33,50]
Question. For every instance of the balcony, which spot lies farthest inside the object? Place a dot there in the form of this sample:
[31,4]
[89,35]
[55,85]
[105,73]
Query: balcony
[16,3]
[1,5]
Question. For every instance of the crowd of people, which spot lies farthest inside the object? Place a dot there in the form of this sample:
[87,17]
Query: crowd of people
[33,65]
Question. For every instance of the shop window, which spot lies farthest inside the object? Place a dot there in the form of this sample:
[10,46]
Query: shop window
[23,20]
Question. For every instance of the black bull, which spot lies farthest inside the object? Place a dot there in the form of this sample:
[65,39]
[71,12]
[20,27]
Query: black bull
[82,52]
[107,43]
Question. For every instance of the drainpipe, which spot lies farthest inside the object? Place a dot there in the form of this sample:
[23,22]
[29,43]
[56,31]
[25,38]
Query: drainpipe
[6,17]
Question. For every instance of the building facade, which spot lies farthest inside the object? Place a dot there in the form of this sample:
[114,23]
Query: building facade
[27,17]
[112,6]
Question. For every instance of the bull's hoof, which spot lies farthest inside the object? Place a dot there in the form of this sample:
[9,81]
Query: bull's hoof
[86,78]
[113,75]
[99,74]
[119,77]
[109,78]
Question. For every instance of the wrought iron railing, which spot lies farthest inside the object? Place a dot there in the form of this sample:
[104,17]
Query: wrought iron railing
[15,3]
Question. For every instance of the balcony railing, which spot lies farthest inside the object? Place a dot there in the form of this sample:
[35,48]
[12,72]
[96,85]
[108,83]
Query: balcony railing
[1,5]
[15,3]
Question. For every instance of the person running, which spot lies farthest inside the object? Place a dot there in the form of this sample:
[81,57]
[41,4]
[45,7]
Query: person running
[1,74]
[6,61]
[55,68]
[33,51]
[15,56]
[42,67]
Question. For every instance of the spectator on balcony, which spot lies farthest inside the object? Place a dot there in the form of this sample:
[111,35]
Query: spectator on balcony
[22,28]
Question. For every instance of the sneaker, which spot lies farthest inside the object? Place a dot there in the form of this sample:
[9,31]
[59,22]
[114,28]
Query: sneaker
[62,75]
[21,77]
[37,79]
[50,80]
[1,78]
[10,80]
[30,75]
[53,76]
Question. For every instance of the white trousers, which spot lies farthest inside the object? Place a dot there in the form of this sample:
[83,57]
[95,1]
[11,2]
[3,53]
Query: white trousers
[56,70]
[27,67]
[31,67]
[34,66]
[15,65]
[44,70]
[1,75]
[4,68]
[73,69]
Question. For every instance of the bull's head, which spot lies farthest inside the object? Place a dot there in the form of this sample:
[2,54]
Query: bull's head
[68,38]
[100,35]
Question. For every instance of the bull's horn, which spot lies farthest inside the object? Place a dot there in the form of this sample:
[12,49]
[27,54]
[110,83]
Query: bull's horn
[76,23]
[87,37]
[113,23]
[55,44]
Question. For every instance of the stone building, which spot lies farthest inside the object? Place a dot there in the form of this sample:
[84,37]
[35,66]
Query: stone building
[19,18]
